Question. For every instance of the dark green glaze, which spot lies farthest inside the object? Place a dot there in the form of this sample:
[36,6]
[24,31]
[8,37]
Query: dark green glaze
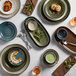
[49,11]
[58,21]
[44,39]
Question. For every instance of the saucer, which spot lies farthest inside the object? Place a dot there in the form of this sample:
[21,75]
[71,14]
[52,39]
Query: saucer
[8,31]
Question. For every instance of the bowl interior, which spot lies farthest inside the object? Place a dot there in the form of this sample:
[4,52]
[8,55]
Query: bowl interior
[62,34]
[54,53]
[8,31]
[52,14]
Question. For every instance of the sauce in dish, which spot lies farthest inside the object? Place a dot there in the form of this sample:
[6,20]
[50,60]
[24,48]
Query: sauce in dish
[50,58]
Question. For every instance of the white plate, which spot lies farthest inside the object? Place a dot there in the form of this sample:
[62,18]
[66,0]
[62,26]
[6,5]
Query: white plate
[12,9]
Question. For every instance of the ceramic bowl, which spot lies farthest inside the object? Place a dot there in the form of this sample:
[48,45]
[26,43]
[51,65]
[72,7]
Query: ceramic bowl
[14,50]
[62,34]
[8,31]
[53,16]
[54,53]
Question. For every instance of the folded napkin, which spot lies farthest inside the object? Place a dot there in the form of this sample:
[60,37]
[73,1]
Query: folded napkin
[72,71]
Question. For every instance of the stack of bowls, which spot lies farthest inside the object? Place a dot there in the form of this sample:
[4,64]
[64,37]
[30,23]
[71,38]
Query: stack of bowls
[51,15]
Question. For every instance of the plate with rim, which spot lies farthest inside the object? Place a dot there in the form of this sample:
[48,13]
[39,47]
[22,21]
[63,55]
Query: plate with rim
[8,67]
[13,2]
[13,11]
[52,14]
[58,21]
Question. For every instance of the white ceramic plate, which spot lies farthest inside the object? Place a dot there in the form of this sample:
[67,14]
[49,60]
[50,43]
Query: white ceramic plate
[12,9]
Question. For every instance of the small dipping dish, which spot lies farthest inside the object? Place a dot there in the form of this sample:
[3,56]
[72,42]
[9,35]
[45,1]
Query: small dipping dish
[62,34]
[32,25]
[50,57]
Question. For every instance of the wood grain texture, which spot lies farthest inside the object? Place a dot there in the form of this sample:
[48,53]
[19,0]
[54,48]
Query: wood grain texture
[70,38]
[33,2]
[62,70]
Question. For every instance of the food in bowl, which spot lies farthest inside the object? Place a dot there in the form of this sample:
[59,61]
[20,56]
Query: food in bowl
[56,8]
[53,7]
[50,58]
[7,6]
[16,57]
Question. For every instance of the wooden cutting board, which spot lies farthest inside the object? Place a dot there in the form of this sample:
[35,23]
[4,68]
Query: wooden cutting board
[32,4]
[62,70]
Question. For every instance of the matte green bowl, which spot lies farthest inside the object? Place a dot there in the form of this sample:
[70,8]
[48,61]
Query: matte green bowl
[8,67]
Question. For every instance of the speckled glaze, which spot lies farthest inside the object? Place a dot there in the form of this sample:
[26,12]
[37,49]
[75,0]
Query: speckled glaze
[9,68]
[62,34]
[8,31]
[58,21]
[53,52]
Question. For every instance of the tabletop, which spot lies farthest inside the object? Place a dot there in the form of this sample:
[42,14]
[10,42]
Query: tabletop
[35,52]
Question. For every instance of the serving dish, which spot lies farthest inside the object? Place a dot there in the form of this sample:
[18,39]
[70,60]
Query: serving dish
[12,12]
[8,31]
[71,38]
[58,21]
[29,7]
[52,14]
[39,36]
[14,68]
[50,57]
[62,70]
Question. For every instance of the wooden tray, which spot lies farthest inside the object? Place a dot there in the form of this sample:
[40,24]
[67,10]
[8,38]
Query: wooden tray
[70,38]
[33,2]
[62,70]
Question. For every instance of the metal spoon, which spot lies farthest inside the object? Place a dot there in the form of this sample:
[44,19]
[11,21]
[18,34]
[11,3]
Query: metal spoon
[66,42]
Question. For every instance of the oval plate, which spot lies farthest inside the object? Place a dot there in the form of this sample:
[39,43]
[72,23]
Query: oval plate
[58,21]
[10,68]
[71,37]
[11,13]
[41,26]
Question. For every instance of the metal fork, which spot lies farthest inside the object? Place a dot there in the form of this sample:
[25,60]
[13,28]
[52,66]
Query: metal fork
[22,35]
